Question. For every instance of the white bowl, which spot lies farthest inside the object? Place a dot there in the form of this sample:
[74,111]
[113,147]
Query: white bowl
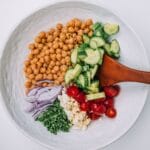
[100,133]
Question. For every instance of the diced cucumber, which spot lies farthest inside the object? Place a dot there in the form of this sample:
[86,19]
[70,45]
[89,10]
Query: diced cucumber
[93,71]
[81,55]
[114,47]
[96,25]
[107,47]
[95,84]
[88,76]
[89,51]
[111,29]
[86,39]
[82,81]
[69,76]
[85,68]
[76,71]
[96,42]
[93,57]
[102,54]
[97,33]
[92,90]
[95,96]
[74,56]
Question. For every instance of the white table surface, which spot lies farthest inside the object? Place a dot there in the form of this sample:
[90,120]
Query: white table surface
[136,13]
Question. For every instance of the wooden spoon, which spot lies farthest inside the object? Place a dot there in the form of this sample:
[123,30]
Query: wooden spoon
[112,72]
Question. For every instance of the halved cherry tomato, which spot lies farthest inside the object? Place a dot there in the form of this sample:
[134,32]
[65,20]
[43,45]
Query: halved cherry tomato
[84,106]
[99,101]
[111,91]
[98,108]
[80,97]
[109,102]
[72,91]
[93,116]
[111,112]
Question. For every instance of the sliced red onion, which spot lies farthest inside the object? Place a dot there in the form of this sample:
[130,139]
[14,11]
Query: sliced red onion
[32,92]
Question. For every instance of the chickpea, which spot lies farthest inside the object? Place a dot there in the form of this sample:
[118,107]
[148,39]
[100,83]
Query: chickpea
[55,34]
[62,36]
[71,23]
[63,68]
[79,38]
[60,79]
[42,70]
[31,76]
[67,59]
[33,66]
[42,34]
[48,71]
[28,84]
[46,58]
[41,60]
[89,22]
[59,26]
[27,63]
[53,56]
[45,84]
[38,77]
[61,44]
[56,68]
[52,30]
[36,71]
[43,41]
[39,64]
[33,82]
[55,45]
[58,56]
[55,76]
[45,65]
[71,29]
[50,38]
[86,30]
[83,25]
[57,63]
[38,39]
[68,53]
[80,32]
[50,77]
[77,23]
[70,46]
[64,30]
[90,33]
[40,46]
[29,70]
[52,63]
[53,71]
[30,56]
[44,76]
[56,82]
[49,44]
[71,41]
[31,46]
[65,47]
[51,51]
[63,61]
[47,51]
[36,51]
[64,53]
[58,51]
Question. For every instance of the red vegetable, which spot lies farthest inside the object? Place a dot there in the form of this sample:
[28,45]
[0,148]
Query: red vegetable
[72,91]
[98,108]
[84,106]
[111,112]
[109,102]
[80,97]
[111,91]
[93,116]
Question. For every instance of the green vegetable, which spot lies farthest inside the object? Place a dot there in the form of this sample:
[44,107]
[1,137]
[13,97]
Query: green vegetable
[55,119]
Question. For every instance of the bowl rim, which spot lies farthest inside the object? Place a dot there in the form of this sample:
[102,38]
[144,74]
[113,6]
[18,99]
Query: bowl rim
[53,3]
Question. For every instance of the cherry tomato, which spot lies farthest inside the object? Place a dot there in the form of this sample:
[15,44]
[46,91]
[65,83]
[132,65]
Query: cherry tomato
[93,116]
[99,101]
[111,91]
[80,97]
[98,108]
[111,112]
[109,102]
[84,106]
[72,91]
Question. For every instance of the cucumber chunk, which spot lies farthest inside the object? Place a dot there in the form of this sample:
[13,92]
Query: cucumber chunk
[69,76]
[111,29]
[93,71]
[96,42]
[86,39]
[76,71]
[82,81]
[114,47]
[93,57]
[95,96]
[74,56]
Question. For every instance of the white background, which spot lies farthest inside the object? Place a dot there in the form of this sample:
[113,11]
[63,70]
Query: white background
[135,12]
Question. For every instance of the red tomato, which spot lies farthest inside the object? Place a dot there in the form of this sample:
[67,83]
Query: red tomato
[80,97]
[109,102]
[84,106]
[93,116]
[98,108]
[99,101]
[72,91]
[111,112]
[111,91]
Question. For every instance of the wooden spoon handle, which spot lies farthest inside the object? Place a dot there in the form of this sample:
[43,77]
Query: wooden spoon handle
[128,74]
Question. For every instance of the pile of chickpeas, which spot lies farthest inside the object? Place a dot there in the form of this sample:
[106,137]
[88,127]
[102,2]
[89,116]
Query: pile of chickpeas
[49,56]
